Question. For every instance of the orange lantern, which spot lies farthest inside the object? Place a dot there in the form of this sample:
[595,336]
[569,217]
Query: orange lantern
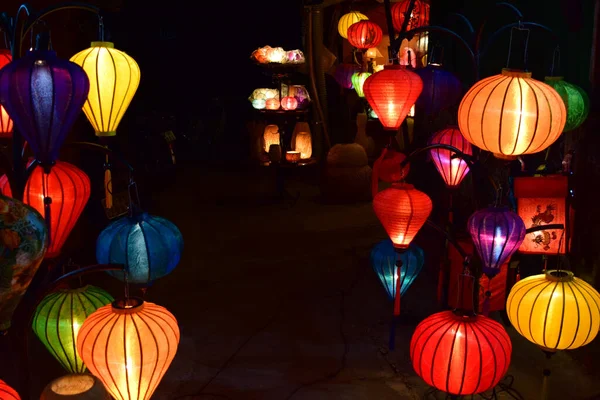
[402,210]
[129,346]
[5,186]
[6,123]
[60,195]
[452,170]
[511,114]
[289,103]
[418,17]
[270,136]
[8,393]
[364,34]
[273,104]
[542,201]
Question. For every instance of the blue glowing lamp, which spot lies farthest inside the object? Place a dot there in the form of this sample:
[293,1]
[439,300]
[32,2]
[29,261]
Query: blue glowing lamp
[383,261]
[150,247]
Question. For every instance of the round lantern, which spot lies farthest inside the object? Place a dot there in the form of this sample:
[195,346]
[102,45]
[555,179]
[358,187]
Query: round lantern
[6,123]
[150,247]
[60,195]
[289,103]
[348,20]
[5,189]
[364,34]
[497,233]
[392,93]
[114,79]
[276,55]
[301,95]
[358,81]
[8,393]
[555,310]
[418,17]
[272,104]
[575,98]
[270,136]
[75,387]
[460,355]
[43,94]
[383,261]
[58,318]
[402,210]
[129,345]
[441,89]
[23,243]
[452,170]
[343,75]
[511,114]
[259,104]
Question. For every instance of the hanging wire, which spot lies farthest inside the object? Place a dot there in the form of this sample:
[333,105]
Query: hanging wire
[101,28]
[6,44]
[555,60]
[522,29]
[498,195]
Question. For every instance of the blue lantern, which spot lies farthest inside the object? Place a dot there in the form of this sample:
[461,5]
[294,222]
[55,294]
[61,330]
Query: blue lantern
[383,261]
[150,247]
[441,89]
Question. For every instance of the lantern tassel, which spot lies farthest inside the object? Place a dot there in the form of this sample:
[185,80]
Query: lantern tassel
[375,174]
[48,216]
[440,288]
[108,186]
[396,302]
[486,301]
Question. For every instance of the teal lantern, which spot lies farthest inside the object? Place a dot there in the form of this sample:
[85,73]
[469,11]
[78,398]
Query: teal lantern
[59,316]
[150,247]
[383,261]
[575,98]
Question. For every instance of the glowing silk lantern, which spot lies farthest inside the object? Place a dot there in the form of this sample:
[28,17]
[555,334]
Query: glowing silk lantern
[276,55]
[358,81]
[511,114]
[392,93]
[348,20]
[272,104]
[418,17]
[58,318]
[343,75]
[114,78]
[452,170]
[303,144]
[383,261]
[270,136]
[23,240]
[441,89]
[542,201]
[555,310]
[60,195]
[75,387]
[289,103]
[301,95]
[8,393]
[575,98]
[259,104]
[6,123]
[407,56]
[129,345]
[148,246]
[459,354]
[402,210]
[43,94]
[497,233]
[364,34]
[5,189]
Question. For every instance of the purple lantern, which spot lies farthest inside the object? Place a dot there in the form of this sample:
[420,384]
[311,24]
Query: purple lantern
[343,74]
[441,89]
[497,233]
[44,95]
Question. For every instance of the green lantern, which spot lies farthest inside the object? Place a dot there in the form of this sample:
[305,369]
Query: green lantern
[358,80]
[575,98]
[58,318]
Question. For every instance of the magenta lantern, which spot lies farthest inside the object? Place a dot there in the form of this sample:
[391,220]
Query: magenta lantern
[289,103]
[343,74]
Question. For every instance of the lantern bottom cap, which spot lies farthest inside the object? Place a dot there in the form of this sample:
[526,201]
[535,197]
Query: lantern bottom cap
[128,305]
[105,134]
[504,156]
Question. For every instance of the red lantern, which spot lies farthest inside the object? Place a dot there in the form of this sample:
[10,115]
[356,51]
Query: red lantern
[387,168]
[289,103]
[364,34]
[452,170]
[391,93]
[5,186]
[402,210]
[60,195]
[8,393]
[6,123]
[418,17]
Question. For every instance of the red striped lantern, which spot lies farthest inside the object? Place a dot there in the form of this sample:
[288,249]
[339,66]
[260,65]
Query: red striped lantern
[364,34]
[60,194]
[5,186]
[402,210]
[418,17]
[8,393]
[391,93]
[6,123]
[452,170]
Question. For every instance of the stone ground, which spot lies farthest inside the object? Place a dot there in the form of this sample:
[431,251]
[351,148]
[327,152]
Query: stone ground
[278,302]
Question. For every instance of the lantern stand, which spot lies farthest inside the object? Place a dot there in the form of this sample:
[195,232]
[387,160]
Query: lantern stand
[396,314]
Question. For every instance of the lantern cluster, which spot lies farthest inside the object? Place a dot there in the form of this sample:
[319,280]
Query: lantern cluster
[277,55]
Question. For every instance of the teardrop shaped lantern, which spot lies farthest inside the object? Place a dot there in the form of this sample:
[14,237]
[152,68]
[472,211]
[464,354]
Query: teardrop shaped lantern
[150,247]
[383,261]
[402,210]
[114,78]
[511,114]
[358,81]
[460,355]
[58,318]
[364,34]
[343,74]
[43,94]
[6,123]
[60,195]
[8,393]
[418,17]
[441,89]
[391,93]
[452,170]
[555,310]
[497,233]
[575,98]
[129,345]
[348,20]
[5,189]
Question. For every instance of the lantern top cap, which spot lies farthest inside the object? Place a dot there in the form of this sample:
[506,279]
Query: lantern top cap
[554,78]
[463,315]
[559,276]
[515,73]
[129,305]
[110,45]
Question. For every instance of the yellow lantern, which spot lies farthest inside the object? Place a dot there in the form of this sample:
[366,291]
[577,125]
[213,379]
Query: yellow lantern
[303,144]
[347,20]
[270,136]
[555,310]
[114,78]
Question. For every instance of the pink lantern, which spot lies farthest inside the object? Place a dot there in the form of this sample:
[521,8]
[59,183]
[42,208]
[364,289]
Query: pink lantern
[289,103]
